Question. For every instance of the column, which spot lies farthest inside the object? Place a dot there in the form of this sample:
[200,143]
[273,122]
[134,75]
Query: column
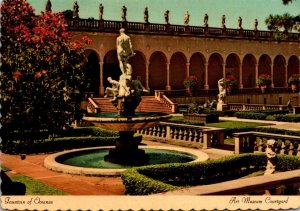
[272,75]
[168,87]
[256,75]
[241,76]
[224,70]
[206,86]
[187,69]
[101,88]
[147,74]
[286,76]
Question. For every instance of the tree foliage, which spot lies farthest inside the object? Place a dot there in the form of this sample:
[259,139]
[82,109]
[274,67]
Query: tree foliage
[42,71]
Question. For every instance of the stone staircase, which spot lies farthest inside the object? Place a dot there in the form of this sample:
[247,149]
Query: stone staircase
[148,104]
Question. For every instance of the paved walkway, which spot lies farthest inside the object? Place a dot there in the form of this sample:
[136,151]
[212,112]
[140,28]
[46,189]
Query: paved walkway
[33,167]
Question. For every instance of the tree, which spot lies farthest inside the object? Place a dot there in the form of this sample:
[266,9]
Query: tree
[285,21]
[42,72]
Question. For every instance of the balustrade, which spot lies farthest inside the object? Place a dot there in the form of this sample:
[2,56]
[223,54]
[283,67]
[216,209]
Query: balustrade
[138,27]
[252,107]
[200,136]
[248,142]
[92,107]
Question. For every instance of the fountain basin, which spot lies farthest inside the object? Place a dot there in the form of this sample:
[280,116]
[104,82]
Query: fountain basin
[51,162]
[111,121]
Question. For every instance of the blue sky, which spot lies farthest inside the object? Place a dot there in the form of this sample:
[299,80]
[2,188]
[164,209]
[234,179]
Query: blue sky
[247,9]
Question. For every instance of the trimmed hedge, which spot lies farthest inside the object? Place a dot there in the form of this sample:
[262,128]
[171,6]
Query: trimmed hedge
[167,177]
[269,115]
[251,115]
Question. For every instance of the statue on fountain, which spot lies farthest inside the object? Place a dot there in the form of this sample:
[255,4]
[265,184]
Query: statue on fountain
[221,95]
[126,92]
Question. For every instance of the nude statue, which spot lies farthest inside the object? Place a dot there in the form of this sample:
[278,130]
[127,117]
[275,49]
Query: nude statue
[166,15]
[112,91]
[124,50]
[222,90]
[223,21]
[101,8]
[240,21]
[146,15]
[75,10]
[272,157]
[205,20]
[124,13]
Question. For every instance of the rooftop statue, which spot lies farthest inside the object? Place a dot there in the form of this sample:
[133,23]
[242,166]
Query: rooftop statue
[146,15]
[48,6]
[186,18]
[240,21]
[166,15]
[255,24]
[101,8]
[75,10]
[205,20]
[223,21]
[124,13]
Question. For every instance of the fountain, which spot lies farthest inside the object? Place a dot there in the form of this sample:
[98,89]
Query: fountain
[126,97]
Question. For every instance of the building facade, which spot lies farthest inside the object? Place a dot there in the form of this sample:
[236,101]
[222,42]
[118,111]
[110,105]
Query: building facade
[166,54]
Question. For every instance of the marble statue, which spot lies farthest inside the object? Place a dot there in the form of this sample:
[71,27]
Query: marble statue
[186,18]
[124,51]
[255,24]
[101,8]
[124,13]
[48,6]
[240,20]
[272,157]
[112,91]
[223,21]
[146,15]
[205,20]
[75,10]
[222,94]
[166,15]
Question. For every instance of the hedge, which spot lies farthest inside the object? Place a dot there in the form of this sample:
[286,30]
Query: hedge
[268,115]
[167,177]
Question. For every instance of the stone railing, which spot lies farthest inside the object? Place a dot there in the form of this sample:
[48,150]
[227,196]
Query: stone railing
[248,142]
[92,107]
[204,137]
[171,29]
[251,107]
[165,100]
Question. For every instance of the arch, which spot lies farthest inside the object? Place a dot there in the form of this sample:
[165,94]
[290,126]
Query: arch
[215,70]
[138,63]
[157,71]
[279,71]
[111,67]
[178,70]
[248,71]
[92,71]
[293,66]
[197,68]
[232,66]
[264,65]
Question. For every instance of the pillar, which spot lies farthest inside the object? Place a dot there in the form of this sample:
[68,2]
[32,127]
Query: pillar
[224,70]
[206,86]
[147,75]
[101,88]
[241,76]
[286,75]
[187,69]
[168,87]
[256,75]
[272,75]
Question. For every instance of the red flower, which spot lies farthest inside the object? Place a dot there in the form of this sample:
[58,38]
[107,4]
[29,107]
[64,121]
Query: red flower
[38,74]
[17,75]
[87,40]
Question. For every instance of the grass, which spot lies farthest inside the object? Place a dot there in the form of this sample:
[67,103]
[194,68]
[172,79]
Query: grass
[5,169]
[34,187]
[236,124]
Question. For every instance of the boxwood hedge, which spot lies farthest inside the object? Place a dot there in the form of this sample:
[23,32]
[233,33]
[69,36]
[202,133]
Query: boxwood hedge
[167,177]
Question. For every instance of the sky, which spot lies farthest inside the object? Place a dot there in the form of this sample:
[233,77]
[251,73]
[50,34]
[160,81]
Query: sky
[232,9]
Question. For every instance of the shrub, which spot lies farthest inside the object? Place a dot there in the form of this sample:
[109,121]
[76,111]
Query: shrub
[270,118]
[251,115]
[190,82]
[288,118]
[294,79]
[264,79]
[167,177]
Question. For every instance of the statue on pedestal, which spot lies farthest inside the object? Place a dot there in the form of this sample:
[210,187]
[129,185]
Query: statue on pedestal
[272,157]
[205,20]
[101,8]
[240,20]
[146,15]
[166,15]
[124,13]
[255,24]
[222,94]
[186,18]
[223,21]
[75,10]
[48,6]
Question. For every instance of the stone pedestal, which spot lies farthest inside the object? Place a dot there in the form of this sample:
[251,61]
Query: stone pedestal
[126,151]
[222,107]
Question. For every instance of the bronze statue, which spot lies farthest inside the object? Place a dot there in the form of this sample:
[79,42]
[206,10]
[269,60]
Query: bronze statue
[205,20]
[101,8]
[167,16]
[75,10]
[146,15]
[223,21]
[240,22]
[186,18]
[124,13]
[255,24]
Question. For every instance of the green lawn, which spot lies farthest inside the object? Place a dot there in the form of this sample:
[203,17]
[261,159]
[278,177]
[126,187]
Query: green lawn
[236,124]
[34,187]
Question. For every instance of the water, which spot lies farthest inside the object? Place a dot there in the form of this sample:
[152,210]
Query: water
[95,158]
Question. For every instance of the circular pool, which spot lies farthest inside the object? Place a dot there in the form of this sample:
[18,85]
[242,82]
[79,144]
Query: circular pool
[90,161]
